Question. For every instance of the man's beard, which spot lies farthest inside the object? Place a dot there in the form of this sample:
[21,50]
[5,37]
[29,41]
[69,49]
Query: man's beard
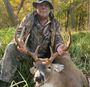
[43,14]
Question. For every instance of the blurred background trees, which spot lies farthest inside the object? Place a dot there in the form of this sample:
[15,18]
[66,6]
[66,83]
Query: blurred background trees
[72,13]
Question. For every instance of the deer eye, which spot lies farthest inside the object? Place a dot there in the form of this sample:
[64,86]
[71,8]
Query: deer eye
[35,67]
[49,67]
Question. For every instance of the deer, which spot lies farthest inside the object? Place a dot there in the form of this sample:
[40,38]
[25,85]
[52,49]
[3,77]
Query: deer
[62,73]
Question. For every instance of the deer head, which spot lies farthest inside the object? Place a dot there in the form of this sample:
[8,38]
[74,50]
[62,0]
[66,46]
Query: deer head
[44,70]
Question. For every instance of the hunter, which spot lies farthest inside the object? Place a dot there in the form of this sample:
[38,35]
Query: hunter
[41,28]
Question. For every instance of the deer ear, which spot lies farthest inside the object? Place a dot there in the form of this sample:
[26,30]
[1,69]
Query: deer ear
[34,63]
[32,70]
[58,67]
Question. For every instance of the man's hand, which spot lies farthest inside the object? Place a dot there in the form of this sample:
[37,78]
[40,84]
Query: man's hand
[21,48]
[60,50]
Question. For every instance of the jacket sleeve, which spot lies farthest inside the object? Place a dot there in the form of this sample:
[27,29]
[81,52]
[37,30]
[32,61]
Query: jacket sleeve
[22,25]
[58,37]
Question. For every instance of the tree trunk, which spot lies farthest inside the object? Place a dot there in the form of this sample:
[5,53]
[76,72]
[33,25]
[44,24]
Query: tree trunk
[10,12]
[20,6]
[89,14]
[72,18]
[67,19]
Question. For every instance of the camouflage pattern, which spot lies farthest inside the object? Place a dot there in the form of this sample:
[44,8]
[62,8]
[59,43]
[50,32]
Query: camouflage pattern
[35,34]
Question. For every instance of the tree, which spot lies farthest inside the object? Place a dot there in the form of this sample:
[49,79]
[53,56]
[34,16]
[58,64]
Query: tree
[20,6]
[10,12]
[89,14]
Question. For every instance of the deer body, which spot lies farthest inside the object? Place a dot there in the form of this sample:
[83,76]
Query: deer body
[70,76]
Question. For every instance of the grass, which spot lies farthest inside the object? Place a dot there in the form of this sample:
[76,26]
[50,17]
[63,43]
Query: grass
[6,36]
[79,50]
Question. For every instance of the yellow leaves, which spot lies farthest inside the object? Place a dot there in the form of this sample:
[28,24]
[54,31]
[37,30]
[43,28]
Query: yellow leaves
[17,1]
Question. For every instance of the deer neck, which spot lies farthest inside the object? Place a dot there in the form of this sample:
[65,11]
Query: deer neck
[47,85]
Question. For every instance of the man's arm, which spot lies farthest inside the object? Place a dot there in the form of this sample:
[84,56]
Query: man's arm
[20,33]
[59,43]
[58,38]
[22,25]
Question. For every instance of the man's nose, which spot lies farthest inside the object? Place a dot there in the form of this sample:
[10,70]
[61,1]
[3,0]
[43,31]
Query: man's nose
[43,6]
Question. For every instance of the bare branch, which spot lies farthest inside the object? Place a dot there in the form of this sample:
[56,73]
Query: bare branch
[20,6]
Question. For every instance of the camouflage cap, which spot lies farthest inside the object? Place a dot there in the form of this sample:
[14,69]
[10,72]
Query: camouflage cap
[41,1]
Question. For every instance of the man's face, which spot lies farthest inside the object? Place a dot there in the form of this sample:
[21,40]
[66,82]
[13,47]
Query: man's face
[43,9]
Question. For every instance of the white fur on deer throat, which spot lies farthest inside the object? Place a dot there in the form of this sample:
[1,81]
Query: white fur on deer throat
[47,85]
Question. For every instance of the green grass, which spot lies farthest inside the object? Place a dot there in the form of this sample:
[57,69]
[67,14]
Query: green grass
[79,50]
[6,35]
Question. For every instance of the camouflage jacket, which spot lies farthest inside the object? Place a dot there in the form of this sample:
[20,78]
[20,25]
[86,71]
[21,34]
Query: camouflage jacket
[34,35]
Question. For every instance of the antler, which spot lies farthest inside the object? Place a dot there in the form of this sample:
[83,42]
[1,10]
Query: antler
[34,55]
[54,55]
[69,42]
[19,43]
[20,39]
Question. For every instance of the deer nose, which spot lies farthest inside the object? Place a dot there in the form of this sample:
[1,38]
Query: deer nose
[39,78]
